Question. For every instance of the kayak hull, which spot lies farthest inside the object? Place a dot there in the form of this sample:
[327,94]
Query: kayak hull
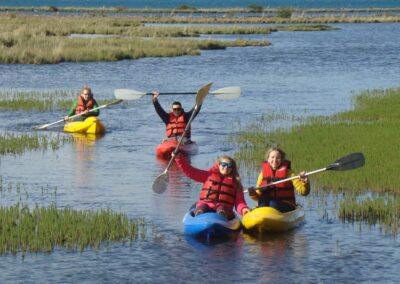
[91,125]
[210,225]
[165,149]
[268,219]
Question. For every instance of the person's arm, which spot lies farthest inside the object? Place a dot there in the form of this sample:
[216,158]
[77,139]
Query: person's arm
[160,111]
[240,202]
[73,107]
[302,188]
[253,193]
[189,171]
[188,114]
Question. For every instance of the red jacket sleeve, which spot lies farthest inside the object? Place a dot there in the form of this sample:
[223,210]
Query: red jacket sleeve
[191,172]
[240,202]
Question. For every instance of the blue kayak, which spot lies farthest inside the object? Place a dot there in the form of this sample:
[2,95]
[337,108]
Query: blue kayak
[210,225]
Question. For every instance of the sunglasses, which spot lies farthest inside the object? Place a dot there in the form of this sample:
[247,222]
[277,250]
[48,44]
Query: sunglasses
[225,164]
[177,109]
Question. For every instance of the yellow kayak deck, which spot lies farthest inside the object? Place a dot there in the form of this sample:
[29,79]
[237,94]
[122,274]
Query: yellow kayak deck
[91,125]
[268,219]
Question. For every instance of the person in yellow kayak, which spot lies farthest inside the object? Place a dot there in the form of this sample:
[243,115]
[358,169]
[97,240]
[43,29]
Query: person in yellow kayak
[280,196]
[175,120]
[222,189]
[83,104]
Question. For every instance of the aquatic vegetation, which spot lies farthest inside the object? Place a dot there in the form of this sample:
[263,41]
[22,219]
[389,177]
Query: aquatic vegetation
[35,100]
[371,127]
[41,229]
[18,143]
[373,210]
[38,100]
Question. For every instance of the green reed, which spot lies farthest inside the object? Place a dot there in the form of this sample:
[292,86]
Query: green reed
[18,143]
[313,143]
[38,100]
[41,229]
[373,210]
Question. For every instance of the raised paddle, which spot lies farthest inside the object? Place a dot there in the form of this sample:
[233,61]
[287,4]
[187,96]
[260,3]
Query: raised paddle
[226,93]
[349,162]
[44,126]
[161,182]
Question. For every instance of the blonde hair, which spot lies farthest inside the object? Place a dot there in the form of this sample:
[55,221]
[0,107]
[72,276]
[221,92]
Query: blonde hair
[86,88]
[283,154]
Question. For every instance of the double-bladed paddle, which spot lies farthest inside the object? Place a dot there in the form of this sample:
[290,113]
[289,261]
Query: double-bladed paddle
[161,182]
[44,126]
[226,93]
[349,162]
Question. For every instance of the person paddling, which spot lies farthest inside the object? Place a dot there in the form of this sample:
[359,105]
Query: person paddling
[83,104]
[175,120]
[222,189]
[280,196]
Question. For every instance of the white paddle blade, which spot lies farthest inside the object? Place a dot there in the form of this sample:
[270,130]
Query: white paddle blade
[40,127]
[202,93]
[227,93]
[160,184]
[127,94]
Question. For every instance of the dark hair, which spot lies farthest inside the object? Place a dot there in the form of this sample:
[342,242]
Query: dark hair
[176,103]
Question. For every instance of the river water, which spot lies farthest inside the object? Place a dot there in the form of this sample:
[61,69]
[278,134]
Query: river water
[312,73]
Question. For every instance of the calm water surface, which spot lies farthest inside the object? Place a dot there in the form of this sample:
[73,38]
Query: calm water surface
[312,73]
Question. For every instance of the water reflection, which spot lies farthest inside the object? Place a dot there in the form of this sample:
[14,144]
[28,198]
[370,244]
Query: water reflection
[85,155]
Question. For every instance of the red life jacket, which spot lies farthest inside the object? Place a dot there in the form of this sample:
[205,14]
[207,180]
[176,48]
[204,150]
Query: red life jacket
[176,126]
[81,107]
[282,191]
[219,188]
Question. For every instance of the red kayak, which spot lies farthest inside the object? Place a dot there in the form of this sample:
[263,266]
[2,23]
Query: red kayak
[165,149]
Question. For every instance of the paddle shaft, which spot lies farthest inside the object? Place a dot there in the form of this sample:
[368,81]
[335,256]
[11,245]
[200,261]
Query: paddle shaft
[292,178]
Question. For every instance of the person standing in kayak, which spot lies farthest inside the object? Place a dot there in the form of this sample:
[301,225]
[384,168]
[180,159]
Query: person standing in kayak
[280,196]
[83,104]
[175,120]
[222,189]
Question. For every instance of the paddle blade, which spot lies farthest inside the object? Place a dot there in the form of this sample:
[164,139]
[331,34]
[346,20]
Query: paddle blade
[349,162]
[160,183]
[40,127]
[227,93]
[127,94]
[202,93]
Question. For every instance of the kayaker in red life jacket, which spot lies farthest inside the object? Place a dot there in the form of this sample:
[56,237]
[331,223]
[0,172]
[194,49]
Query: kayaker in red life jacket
[221,191]
[83,104]
[280,196]
[175,120]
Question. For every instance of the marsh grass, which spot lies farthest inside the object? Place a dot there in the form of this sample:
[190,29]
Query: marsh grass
[18,143]
[373,210]
[40,40]
[38,100]
[371,127]
[42,229]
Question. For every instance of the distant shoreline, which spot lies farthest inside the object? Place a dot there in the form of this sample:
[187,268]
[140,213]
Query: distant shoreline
[190,9]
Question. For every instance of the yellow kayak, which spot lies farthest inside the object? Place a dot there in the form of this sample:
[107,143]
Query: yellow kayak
[91,125]
[268,219]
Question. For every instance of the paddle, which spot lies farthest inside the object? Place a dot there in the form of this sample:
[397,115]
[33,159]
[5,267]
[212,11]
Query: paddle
[44,126]
[349,162]
[161,182]
[226,93]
